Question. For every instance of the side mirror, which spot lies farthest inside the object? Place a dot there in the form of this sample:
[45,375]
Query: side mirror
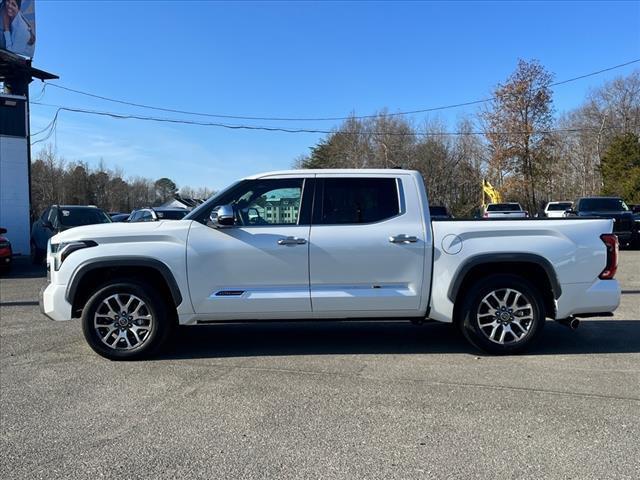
[222,216]
[47,224]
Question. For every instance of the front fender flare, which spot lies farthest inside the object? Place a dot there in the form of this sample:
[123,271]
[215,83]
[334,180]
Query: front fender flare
[123,261]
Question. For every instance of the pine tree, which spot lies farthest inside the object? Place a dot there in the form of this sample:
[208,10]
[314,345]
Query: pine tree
[621,168]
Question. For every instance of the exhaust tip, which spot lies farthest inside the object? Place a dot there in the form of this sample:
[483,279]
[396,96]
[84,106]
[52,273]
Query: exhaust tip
[571,322]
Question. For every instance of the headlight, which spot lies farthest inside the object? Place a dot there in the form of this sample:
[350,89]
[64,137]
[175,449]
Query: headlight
[62,250]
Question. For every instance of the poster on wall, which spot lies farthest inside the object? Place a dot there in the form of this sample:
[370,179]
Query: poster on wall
[18,23]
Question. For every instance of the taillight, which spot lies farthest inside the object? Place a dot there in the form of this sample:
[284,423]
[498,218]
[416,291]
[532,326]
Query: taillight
[486,215]
[611,241]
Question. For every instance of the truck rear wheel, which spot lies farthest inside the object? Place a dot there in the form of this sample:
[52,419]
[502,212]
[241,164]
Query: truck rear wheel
[126,320]
[502,314]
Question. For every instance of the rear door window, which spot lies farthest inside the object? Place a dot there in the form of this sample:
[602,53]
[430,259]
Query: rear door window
[356,200]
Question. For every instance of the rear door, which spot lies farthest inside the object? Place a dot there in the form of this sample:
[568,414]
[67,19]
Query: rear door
[367,250]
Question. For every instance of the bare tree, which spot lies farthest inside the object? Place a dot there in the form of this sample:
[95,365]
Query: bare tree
[518,125]
[614,108]
[47,179]
[609,111]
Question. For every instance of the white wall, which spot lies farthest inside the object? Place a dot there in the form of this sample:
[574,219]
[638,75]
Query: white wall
[14,192]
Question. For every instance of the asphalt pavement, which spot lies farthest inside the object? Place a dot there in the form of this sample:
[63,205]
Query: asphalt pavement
[319,400]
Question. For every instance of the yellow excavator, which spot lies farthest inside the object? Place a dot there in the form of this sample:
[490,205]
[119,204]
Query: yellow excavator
[492,193]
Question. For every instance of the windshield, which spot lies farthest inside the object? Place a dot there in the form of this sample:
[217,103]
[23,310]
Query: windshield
[602,205]
[504,207]
[559,206]
[171,214]
[75,217]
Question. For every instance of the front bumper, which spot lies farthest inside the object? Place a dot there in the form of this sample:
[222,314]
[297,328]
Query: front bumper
[53,302]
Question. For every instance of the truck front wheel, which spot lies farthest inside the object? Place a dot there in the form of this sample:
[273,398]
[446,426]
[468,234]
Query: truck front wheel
[502,314]
[125,320]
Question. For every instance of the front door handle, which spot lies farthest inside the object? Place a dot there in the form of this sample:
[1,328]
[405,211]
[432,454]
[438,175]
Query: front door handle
[292,241]
[403,239]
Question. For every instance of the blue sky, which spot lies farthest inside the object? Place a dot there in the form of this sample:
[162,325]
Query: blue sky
[296,59]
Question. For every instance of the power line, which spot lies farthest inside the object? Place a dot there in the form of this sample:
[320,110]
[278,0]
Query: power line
[319,119]
[127,116]
[42,92]
[48,125]
[51,127]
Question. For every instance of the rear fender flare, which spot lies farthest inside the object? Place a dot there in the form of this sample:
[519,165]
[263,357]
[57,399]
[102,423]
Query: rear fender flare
[488,258]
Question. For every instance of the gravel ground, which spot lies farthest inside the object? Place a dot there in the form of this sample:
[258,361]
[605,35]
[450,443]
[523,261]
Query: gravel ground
[314,400]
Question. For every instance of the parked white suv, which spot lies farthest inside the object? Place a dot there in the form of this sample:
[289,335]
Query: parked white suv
[328,244]
[557,209]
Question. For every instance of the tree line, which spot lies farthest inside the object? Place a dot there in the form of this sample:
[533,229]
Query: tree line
[56,181]
[516,141]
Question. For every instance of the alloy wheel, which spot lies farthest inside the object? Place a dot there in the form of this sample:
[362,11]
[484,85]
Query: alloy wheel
[505,316]
[123,321]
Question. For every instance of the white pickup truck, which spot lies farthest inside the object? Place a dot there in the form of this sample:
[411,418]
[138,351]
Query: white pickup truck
[505,210]
[328,244]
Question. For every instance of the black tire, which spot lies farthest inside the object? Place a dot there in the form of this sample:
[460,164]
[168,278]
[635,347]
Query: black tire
[475,310]
[37,255]
[160,325]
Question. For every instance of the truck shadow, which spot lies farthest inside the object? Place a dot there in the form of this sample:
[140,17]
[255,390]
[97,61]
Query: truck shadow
[335,338]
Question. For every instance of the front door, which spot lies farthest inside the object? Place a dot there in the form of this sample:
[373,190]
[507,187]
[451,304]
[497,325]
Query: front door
[260,266]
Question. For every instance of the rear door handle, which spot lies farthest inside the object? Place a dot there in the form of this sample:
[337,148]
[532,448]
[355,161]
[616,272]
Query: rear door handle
[292,241]
[403,239]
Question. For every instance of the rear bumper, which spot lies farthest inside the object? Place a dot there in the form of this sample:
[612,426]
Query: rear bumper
[53,302]
[596,297]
